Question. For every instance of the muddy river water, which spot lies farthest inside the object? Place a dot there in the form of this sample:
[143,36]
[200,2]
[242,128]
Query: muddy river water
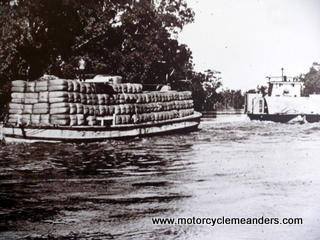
[230,170]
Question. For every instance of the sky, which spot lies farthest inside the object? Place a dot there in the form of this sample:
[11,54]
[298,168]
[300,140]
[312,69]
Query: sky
[247,40]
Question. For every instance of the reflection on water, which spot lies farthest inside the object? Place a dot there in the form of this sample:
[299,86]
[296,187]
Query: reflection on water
[230,167]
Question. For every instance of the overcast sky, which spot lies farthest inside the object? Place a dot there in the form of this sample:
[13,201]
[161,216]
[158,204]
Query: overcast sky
[248,40]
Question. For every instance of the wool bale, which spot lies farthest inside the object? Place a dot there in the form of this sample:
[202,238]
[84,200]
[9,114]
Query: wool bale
[31,98]
[126,97]
[18,86]
[111,110]
[26,119]
[32,95]
[43,97]
[156,116]
[116,98]
[91,120]
[44,120]
[122,108]
[149,117]
[142,118]
[41,108]
[73,108]
[83,87]
[117,88]
[76,86]
[91,110]
[117,110]
[101,99]
[139,108]
[41,86]
[59,108]
[83,97]
[136,88]
[35,119]
[120,98]
[175,113]
[16,105]
[58,85]
[133,98]
[117,119]
[166,114]
[129,108]
[182,113]
[79,107]
[96,111]
[14,119]
[73,120]
[89,89]
[112,99]
[71,86]
[80,120]
[106,98]
[124,88]
[15,111]
[77,97]
[70,97]
[60,119]
[171,115]
[107,110]
[58,94]
[18,83]
[58,100]
[138,98]
[129,87]
[89,98]
[30,87]
[16,108]
[18,89]
[85,109]
[94,98]
[17,97]
[102,110]
[126,119]
[135,119]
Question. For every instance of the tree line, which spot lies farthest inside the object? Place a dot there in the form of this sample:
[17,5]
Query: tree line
[136,39]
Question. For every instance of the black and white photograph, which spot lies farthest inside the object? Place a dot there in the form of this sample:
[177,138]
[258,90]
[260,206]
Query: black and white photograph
[159,119]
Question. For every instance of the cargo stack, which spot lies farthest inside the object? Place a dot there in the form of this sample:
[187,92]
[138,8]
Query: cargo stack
[61,102]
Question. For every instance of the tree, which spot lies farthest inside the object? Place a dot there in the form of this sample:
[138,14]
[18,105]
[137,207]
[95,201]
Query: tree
[133,38]
[311,80]
[203,87]
[232,98]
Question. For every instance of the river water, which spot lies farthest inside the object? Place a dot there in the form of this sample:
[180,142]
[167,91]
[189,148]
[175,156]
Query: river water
[231,167]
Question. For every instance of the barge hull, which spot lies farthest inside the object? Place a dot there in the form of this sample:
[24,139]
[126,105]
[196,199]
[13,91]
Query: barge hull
[99,133]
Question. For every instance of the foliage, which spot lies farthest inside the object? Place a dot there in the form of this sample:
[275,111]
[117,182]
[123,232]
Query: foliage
[311,80]
[203,87]
[133,38]
[232,98]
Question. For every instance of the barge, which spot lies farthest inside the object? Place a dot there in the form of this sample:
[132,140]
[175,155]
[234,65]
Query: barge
[60,110]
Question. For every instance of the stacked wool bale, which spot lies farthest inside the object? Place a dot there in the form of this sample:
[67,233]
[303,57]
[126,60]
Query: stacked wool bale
[47,102]
[71,103]
[141,107]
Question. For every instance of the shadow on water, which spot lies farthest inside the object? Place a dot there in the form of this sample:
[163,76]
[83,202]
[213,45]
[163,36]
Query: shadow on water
[41,181]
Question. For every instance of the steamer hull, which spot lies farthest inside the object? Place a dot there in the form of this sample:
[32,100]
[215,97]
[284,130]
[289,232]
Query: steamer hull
[273,117]
[99,133]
